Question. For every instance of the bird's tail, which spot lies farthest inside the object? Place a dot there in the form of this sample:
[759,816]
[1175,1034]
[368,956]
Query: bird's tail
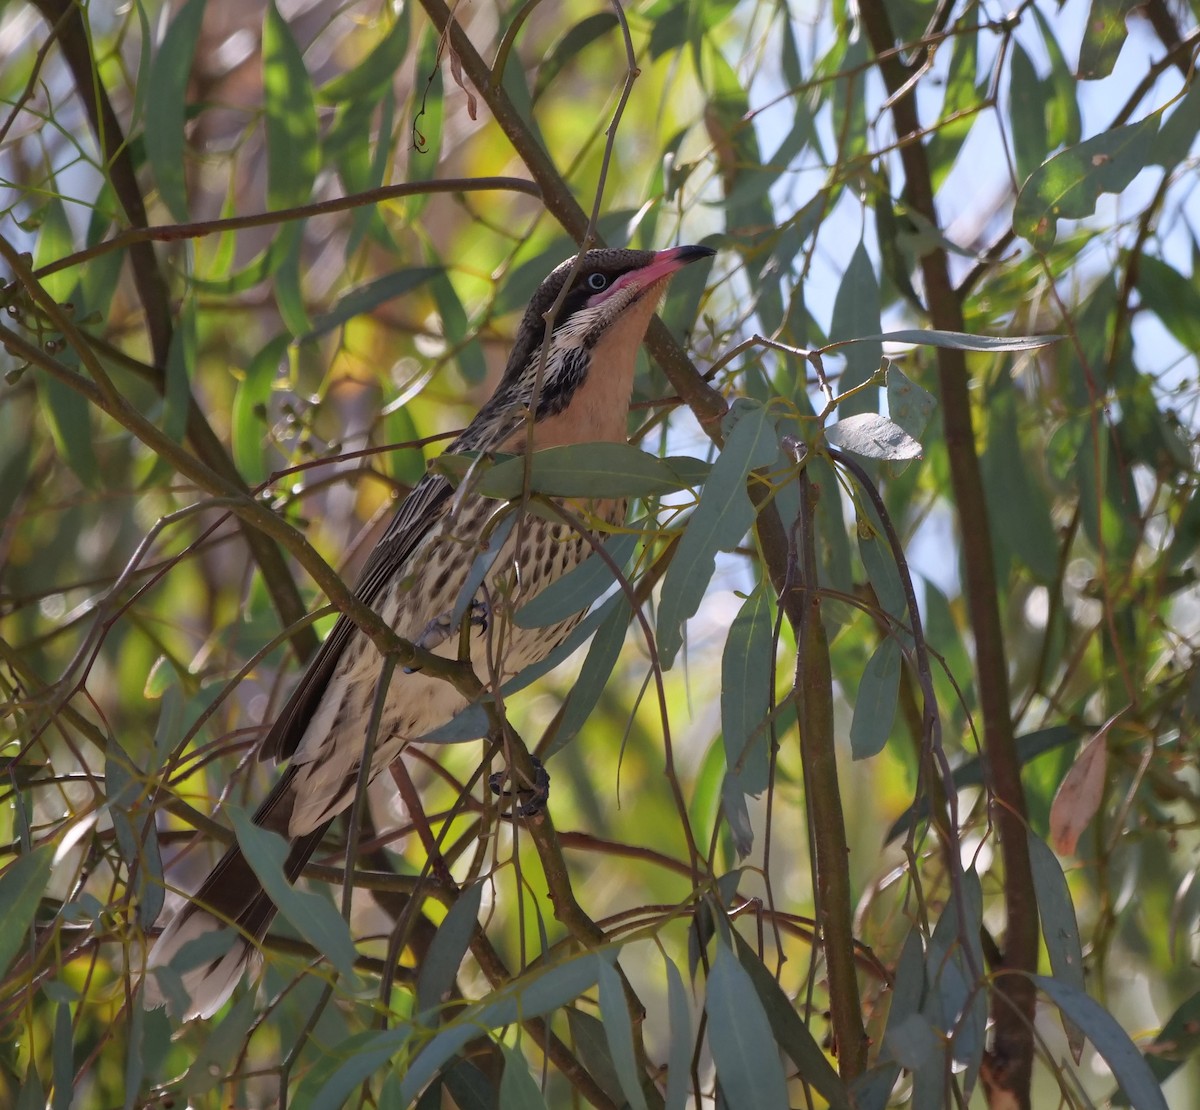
[231,898]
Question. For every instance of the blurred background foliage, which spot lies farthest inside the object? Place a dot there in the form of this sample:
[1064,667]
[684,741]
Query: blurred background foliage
[897,165]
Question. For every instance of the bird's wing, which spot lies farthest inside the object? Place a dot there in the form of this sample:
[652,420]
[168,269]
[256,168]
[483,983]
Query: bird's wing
[412,521]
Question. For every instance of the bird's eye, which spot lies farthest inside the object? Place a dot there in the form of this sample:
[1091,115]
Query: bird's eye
[596,282]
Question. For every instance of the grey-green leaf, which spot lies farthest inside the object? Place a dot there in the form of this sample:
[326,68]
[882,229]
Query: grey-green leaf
[1060,929]
[1109,1039]
[723,516]
[439,968]
[873,437]
[746,692]
[875,702]
[579,587]
[584,470]
[740,1038]
[909,405]
[312,916]
[166,106]
[293,150]
[21,889]
[1070,183]
[619,1030]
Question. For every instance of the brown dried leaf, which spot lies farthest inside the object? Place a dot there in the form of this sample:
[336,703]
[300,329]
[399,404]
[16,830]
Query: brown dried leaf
[457,74]
[1079,794]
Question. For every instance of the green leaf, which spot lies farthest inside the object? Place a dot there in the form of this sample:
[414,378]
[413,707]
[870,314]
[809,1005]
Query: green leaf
[584,470]
[1103,37]
[679,1053]
[962,341]
[1069,185]
[1060,92]
[1060,929]
[1017,505]
[746,666]
[288,287]
[619,1030]
[574,42]
[1028,105]
[1178,132]
[740,1038]
[365,298]
[439,968]
[873,437]
[224,1042]
[293,151]
[181,364]
[597,668]
[856,310]
[370,78]
[591,1044]
[21,887]
[908,404]
[250,417]
[1174,299]
[364,1054]
[1110,1040]
[528,997]
[1174,1046]
[166,106]
[312,916]
[875,702]
[579,587]
[68,417]
[518,1091]
[63,1066]
[468,351]
[723,516]
[790,1032]
[970,773]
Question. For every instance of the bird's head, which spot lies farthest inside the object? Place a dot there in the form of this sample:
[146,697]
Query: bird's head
[581,393]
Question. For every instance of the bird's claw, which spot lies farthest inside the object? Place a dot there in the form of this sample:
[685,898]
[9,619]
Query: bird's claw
[442,627]
[534,796]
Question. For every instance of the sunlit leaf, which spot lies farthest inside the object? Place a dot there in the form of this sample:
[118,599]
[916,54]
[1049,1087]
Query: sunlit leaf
[166,106]
[1103,37]
[856,310]
[1069,184]
[873,437]
[293,151]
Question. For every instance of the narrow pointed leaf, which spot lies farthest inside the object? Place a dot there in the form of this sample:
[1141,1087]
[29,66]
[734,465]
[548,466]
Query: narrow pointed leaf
[1110,1040]
[875,702]
[740,1037]
[723,516]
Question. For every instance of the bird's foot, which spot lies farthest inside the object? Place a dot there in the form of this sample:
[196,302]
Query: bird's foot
[530,799]
[442,627]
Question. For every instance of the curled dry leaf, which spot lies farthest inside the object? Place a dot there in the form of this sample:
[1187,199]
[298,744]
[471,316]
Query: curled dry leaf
[1079,794]
[457,74]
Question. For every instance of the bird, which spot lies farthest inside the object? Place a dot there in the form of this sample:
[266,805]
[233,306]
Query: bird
[575,390]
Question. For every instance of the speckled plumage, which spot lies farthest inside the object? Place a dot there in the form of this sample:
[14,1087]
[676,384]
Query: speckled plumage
[414,579]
